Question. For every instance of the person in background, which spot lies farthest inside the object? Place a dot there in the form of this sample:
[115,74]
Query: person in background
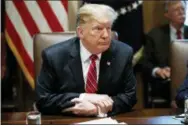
[155,61]
[86,75]
[182,93]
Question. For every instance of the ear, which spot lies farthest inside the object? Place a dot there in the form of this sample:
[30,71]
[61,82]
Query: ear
[166,15]
[79,32]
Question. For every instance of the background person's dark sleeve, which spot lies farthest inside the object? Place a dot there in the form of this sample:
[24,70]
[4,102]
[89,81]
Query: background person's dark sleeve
[182,92]
[48,100]
[148,60]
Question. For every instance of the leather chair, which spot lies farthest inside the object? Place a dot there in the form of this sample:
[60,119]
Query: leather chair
[178,63]
[44,40]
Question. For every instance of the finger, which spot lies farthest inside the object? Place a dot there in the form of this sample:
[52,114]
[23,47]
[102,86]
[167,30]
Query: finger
[167,74]
[110,103]
[91,112]
[77,112]
[158,72]
[110,99]
[107,105]
[68,109]
[167,68]
[102,107]
[162,75]
[76,100]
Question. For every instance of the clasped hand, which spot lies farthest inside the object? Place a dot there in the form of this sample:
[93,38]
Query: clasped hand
[163,73]
[90,103]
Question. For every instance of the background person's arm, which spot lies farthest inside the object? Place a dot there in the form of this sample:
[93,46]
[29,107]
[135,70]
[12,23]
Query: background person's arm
[182,92]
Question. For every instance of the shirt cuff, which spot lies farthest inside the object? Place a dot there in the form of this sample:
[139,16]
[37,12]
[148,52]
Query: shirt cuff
[154,70]
[101,114]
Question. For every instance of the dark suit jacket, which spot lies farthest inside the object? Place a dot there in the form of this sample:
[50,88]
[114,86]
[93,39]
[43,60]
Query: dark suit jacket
[61,77]
[182,92]
[156,51]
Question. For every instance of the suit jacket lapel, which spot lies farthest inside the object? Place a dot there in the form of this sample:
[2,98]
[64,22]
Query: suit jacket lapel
[167,33]
[106,64]
[186,32]
[166,45]
[76,66]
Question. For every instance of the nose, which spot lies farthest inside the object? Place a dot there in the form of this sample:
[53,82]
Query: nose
[105,33]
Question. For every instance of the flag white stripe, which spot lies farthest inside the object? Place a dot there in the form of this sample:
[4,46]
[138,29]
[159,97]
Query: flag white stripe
[60,13]
[20,28]
[37,16]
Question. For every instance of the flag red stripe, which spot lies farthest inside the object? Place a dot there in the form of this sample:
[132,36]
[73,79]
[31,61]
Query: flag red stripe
[18,44]
[51,18]
[26,17]
[65,4]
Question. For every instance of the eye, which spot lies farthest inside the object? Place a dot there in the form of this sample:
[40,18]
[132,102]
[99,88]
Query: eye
[99,28]
[108,28]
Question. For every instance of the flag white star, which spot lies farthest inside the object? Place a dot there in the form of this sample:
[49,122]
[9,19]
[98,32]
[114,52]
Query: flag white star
[135,5]
[140,2]
[123,10]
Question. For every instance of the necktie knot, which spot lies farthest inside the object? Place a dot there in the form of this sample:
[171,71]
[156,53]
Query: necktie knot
[93,57]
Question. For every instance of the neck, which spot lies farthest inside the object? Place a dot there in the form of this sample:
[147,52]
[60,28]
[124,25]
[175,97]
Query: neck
[177,26]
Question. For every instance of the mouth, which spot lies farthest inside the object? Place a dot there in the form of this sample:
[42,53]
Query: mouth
[104,43]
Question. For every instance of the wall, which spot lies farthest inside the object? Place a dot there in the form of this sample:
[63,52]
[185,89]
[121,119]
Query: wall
[73,6]
[153,12]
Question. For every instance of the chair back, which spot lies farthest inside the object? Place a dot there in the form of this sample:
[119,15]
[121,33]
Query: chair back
[44,40]
[178,63]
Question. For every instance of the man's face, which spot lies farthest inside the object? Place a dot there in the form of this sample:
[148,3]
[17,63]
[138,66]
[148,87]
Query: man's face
[96,35]
[176,13]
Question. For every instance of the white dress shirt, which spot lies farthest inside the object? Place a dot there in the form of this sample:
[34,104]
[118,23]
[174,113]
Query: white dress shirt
[173,36]
[85,59]
[85,54]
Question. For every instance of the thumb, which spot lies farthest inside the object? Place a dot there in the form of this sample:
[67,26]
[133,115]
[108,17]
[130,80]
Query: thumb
[76,100]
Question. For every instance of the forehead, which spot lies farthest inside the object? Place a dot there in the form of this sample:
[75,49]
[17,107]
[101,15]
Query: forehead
[101,22]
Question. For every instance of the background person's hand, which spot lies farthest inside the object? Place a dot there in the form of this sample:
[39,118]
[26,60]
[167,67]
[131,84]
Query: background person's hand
[167,71]
[163,73]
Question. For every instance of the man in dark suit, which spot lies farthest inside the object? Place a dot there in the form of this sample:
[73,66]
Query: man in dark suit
[156,52]
[182,93]
[89,74]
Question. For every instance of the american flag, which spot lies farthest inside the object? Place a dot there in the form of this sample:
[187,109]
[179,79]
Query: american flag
[25,18]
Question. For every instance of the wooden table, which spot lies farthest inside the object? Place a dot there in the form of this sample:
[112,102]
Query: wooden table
[144,116]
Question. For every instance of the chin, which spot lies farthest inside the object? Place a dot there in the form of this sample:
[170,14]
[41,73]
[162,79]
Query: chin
[104,48]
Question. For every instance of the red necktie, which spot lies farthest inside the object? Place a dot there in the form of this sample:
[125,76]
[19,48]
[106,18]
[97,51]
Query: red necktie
[91,83]
[178,33]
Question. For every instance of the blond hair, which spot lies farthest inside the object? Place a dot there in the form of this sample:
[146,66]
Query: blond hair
[90,12]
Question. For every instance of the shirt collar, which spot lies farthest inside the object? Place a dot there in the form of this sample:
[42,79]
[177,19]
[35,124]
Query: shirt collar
[85,54]
[174,29]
